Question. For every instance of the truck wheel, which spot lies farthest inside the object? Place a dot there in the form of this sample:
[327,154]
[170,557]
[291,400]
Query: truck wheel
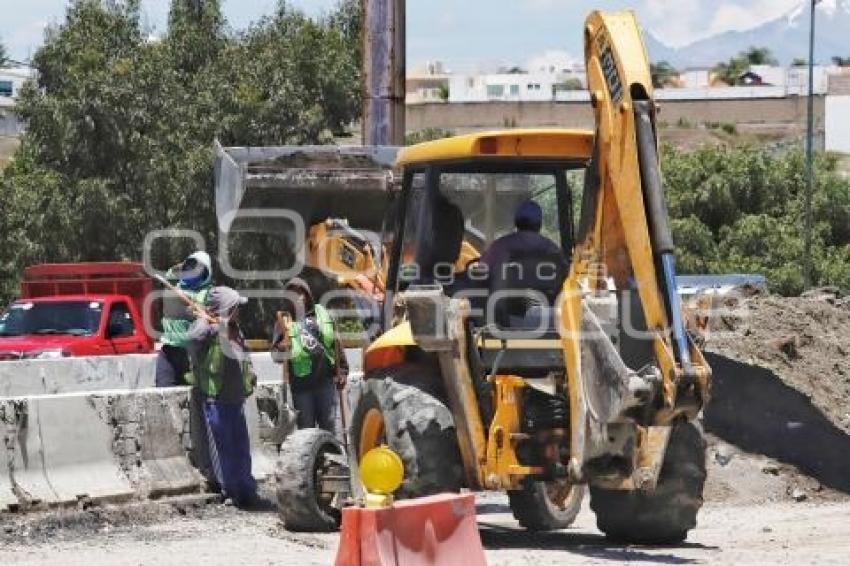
[666,514]
[301,503]
[402,406]
[535,507]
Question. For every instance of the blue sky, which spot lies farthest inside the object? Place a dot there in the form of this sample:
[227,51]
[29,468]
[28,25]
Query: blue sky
[465,34]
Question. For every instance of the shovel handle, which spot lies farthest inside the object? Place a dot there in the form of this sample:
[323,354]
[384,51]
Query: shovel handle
[197,309]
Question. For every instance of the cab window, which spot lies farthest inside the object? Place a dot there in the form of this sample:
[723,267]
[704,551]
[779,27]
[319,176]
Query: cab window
[120,323]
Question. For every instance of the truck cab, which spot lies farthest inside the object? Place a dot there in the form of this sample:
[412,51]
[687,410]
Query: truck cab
[86,309]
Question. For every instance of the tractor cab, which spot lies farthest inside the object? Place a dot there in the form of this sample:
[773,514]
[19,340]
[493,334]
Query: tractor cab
[464,192]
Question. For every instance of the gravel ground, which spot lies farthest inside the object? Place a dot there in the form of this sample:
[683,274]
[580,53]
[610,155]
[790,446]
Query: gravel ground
[769,533]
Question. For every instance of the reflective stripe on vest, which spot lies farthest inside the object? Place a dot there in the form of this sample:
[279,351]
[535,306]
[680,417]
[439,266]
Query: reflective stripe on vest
[302,363]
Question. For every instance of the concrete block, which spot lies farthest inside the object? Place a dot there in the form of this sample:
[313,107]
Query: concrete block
[77,449]
[263,457]
[68,375]
[28,472]
[167,469]
[7,447]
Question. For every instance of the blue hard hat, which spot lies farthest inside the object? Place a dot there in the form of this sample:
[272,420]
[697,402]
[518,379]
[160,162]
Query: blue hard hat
[529,216]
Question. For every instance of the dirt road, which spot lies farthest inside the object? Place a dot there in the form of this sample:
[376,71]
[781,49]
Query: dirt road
[773,533]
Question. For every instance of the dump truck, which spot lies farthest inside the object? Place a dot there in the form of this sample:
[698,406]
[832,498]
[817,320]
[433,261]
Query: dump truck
[78,309]
[567,375]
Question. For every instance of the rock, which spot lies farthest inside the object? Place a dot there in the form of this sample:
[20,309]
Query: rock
[770,469]
[723,455]
[798,495]
[766,530]
[788,346]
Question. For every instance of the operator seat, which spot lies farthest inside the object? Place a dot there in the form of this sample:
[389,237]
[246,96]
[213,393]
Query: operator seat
[524,290]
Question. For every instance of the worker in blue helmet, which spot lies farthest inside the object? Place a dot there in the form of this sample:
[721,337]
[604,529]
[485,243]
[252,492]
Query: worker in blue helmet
[194,277]
[527,239]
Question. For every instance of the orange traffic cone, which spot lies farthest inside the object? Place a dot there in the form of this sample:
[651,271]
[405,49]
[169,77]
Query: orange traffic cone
[429,531]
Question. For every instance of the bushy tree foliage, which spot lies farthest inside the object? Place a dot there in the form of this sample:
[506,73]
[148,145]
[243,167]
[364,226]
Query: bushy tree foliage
[120,127]
[731,71]
[741,210]
[663,74]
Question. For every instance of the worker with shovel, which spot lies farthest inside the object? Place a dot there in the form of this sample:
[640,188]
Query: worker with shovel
[315,362]
[223,372]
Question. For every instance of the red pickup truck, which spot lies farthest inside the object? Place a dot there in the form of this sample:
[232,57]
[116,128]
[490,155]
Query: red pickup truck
[77,309]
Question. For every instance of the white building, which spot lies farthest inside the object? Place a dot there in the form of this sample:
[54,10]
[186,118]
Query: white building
[695,77]
[11,81]
[507,87]
[837,116]
[428,83]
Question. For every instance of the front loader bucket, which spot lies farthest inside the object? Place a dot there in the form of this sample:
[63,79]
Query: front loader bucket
[260,189]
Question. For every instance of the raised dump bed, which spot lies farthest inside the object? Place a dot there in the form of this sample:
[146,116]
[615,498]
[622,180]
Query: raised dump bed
[253,184]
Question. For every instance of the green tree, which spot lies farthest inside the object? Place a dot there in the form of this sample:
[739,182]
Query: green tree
[663,74]
[740,210]
[730,71]
[4,57]
[841,61]
[428,134]
[569,84]
[195,35]
[120,129]
[759,56]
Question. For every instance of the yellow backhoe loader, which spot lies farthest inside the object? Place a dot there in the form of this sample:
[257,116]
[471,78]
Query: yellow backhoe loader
[546,376]
[543,376]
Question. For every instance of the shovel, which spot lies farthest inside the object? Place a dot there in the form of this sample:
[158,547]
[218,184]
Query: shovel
[289,413]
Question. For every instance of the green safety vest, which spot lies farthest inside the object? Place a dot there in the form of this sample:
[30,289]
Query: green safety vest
[302,363]
[174,329]
[210,372]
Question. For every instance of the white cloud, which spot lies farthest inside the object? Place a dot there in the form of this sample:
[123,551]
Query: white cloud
[679,22]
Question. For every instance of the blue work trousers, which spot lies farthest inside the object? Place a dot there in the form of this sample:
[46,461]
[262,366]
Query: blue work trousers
[230,450]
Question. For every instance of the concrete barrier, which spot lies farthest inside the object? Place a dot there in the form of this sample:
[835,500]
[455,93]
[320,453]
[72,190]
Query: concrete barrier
[7,496]
[21,378]
[77,447]
[92,373]
[115,445]
[26,466]
[96,428]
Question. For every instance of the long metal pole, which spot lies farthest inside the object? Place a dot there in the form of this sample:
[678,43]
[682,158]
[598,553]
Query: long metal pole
[810,134]
[383,71]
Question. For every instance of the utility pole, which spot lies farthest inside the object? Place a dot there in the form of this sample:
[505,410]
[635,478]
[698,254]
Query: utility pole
[383,71]
[810,140]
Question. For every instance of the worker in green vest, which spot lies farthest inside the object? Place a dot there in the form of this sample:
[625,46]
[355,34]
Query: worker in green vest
[223,373]
[317,366]
[194,278]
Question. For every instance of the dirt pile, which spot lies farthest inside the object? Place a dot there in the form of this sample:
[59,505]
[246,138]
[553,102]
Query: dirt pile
[804,341]
[779,414]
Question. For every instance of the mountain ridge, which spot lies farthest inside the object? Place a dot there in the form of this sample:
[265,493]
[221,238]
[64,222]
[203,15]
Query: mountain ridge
[787,37]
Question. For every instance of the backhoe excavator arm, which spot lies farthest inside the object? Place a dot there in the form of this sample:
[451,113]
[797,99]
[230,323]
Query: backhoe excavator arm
[625,233]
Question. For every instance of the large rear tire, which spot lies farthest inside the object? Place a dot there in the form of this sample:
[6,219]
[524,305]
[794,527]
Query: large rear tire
[666,514]
[402,406]
[301,504]
[534,508]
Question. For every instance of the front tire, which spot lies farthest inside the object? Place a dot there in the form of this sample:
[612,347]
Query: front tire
[402,406]
[666,514]
[301,504]
[534,508]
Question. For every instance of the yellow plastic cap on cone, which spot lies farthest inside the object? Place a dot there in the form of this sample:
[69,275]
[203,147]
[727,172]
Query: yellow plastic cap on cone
[381,470]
